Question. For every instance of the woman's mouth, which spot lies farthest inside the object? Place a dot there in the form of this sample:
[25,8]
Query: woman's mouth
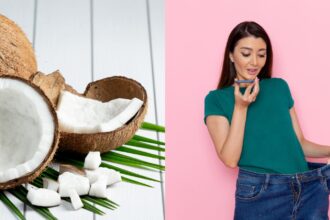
[252,71]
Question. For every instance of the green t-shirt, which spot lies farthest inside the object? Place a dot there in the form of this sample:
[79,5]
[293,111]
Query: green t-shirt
[270,143]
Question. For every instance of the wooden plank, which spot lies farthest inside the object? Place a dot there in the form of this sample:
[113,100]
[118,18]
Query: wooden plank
[22,13]
[157,42]
[124,26]
[63,42]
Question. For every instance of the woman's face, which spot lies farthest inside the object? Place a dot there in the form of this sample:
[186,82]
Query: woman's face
[249,57]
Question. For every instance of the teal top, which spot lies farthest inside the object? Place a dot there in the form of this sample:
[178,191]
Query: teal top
[270,143]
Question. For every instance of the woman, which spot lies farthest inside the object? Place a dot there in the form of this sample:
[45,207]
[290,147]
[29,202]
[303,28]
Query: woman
[254,126]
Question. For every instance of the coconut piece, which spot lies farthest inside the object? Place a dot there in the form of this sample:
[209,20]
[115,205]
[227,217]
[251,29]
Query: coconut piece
[82,115]
[75,199]
[99,188]
[17,57]
[31,187]
[92,160]
[112,176]
[52,84]
[69,180]
[106,90]
[72,169]
[50,184]
[28,132]
[43,197]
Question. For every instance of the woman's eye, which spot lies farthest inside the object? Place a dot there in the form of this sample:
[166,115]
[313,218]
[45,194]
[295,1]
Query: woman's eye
[246,55]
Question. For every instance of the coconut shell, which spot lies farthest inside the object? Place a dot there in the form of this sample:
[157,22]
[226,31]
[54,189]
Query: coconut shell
[72,169]
[52,84]
[35,173]
[17,57]
[105,90]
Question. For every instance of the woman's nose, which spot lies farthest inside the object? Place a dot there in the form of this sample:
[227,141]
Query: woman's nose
[254,60]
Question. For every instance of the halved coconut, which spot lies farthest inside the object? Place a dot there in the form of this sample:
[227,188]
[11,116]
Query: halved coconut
[104,90]
[28,131]
[16,53]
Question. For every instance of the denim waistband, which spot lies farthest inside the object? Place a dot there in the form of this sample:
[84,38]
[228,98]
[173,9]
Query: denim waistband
[317,170]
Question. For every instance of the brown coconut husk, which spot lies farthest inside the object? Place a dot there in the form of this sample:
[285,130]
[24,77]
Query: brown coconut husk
[52,84]
[72,169]
[105,90]
[35,173]
[17,57]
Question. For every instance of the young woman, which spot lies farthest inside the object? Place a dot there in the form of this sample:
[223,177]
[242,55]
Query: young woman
[253,126]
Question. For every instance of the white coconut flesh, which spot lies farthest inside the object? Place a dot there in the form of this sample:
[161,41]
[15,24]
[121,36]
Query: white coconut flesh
[78,114]
[26,129]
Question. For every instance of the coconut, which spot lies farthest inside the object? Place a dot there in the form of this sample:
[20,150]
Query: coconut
[16,53]
[105,90]
[29,132]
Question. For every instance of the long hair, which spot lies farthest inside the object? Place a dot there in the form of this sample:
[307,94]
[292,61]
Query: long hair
[242,30]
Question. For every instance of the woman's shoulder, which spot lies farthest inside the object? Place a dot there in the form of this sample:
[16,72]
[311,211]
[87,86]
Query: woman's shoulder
[219,92]
[273,79]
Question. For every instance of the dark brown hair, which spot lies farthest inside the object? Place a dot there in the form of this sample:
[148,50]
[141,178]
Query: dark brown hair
[244,29]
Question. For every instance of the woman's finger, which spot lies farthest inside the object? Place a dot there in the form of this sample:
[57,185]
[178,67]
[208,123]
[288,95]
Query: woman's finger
[248,90]
[237,92]
[255,89]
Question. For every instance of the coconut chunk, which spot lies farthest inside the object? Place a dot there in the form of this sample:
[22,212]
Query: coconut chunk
[112,176]
[31,187]
[92,160]
[50,184]
[28,131]
[99,188]
[75,199]
[69,181]
[43,197]
[78,114]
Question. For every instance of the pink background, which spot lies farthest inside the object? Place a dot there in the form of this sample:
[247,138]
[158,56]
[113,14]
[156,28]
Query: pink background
[198,185]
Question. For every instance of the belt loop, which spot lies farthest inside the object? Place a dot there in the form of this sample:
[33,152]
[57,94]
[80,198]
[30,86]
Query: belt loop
[267,180]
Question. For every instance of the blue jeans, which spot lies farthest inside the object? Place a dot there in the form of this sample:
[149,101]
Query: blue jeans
[283,196]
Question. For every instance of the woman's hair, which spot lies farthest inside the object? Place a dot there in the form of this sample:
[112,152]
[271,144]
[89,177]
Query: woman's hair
[242,30]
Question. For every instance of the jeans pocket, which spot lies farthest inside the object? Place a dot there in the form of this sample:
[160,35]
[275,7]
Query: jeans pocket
[248,191]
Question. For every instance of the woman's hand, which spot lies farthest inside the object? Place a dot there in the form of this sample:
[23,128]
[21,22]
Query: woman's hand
[244,100]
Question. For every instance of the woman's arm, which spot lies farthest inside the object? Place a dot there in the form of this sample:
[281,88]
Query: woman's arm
[310,149]
[228,140]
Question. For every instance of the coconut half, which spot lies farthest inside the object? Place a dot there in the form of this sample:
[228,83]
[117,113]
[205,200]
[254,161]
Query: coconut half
[77,114]
[28,131]
[117,87]
[16,53]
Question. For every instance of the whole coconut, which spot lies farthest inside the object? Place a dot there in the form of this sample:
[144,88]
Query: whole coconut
[16,53]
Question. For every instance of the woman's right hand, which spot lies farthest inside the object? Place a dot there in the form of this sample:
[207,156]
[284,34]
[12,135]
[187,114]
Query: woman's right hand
[244,100]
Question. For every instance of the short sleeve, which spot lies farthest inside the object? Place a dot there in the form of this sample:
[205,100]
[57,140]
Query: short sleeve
[212,106]
[288,94]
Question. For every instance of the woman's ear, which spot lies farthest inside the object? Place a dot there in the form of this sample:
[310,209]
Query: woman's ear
[231,57]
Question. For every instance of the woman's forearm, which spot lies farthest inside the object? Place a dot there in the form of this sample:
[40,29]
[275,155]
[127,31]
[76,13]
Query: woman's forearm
[232,148]
[315,150]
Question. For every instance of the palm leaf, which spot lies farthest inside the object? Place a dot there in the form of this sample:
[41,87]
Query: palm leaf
[11,206]
[113,156]
[149,140]
[152,127]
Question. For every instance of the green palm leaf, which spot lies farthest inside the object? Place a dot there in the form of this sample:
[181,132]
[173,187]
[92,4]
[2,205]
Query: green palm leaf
[113,156]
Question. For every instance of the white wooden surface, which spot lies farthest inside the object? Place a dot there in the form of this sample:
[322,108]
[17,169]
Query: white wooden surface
[89,40]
